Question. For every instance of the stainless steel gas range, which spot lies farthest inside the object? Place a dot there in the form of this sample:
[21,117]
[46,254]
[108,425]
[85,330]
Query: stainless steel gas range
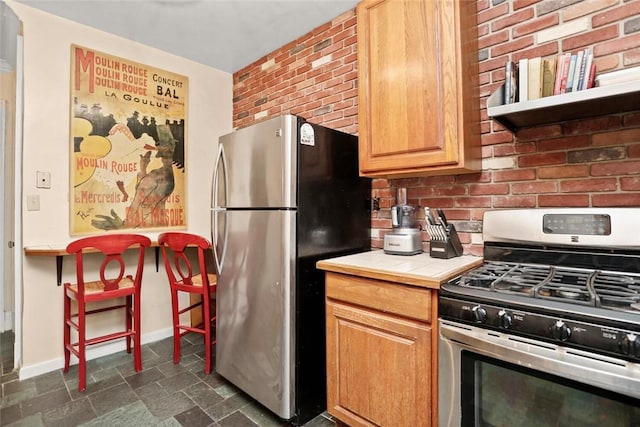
[547,331]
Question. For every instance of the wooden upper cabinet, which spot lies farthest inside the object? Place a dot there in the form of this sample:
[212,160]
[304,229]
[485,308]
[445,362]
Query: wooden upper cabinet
[418,87]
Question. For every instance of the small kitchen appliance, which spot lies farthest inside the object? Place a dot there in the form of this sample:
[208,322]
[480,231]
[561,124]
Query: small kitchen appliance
[546,331]
[406,236]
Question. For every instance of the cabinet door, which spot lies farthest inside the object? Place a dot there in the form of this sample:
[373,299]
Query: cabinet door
[418,91]
[378,368]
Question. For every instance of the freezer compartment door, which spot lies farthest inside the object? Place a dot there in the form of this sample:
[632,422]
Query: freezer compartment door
[260,163]
[255,307]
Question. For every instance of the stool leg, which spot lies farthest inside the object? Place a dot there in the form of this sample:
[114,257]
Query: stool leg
[67,330]
[206,323]
[176,329]
[82,361]
[128,313]
[137,352]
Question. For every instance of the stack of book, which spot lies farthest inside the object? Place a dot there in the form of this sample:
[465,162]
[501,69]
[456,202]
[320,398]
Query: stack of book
[617,77]
[534,78]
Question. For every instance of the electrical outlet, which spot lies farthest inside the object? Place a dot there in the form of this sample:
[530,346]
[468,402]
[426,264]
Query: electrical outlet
[43,179]
[33,202]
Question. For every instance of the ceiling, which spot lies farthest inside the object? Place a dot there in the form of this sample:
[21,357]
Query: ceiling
[224,34]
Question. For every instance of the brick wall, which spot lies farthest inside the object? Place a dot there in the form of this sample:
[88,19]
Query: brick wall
[582,163]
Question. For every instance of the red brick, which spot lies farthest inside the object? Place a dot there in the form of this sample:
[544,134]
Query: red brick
[631,57]
[591,125]
[543,50]
[607,200]
[493,39]
[512,19]
[534,187]
[437,202]
[514,175]
[606,63]
[589,185]
[563,172]
[453,190]
[547,131]
[493,12]
[590,38]
[630,183]
[513,46]
[565,143]
[488,189]
[514,202]
[565,200]
[473,177]
[617,14]
[542,159]
[586,8]
[497,138]
[535,25]
[615,168]
[473,202]
[511,149]
[616,137]
[618,45]
[633,151]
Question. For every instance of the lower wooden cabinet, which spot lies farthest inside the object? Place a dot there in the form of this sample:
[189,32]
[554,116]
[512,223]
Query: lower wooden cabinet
[381,363]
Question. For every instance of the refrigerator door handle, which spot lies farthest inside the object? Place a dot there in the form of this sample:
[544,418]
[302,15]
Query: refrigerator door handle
[221,164]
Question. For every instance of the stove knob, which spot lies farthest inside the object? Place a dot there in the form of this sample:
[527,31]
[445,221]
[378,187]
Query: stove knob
[479,314]
[630,345]
[504,319]
[561,331]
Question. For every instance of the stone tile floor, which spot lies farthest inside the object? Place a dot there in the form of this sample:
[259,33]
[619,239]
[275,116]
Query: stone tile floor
[163,394]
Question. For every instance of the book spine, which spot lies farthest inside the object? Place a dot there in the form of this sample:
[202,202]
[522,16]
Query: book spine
[576,73]
[523,80]
[559,70]
[509,82]
[548,77]
[592,75]
[565,73]
[535,74]
[583,70]
[572,67]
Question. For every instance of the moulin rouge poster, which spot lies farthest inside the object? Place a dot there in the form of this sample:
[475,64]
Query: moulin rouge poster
[128,141]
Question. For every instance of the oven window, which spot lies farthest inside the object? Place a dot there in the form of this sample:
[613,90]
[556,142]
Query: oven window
[497,394]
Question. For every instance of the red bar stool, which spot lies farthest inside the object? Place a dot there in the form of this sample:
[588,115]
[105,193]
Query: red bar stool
[187,276]
[117,280]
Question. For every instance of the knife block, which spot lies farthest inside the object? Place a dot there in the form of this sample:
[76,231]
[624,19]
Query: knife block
[446,248]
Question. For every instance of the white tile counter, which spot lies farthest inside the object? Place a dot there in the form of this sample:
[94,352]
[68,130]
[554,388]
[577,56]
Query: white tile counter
[418,270]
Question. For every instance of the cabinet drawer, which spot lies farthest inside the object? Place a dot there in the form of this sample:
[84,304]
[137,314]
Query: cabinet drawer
[407,301]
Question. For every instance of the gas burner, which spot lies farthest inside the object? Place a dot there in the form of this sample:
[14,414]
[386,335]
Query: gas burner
[512,286]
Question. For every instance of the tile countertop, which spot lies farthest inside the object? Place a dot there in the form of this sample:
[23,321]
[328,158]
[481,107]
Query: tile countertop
[417,270]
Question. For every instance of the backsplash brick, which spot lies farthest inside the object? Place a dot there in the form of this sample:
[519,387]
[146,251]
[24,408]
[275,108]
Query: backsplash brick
[582,163]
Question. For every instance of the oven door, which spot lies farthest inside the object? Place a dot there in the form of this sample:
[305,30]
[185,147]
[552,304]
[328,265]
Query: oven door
[487,378]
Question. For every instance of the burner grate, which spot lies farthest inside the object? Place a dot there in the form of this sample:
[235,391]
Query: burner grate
[568,284]
[617,291]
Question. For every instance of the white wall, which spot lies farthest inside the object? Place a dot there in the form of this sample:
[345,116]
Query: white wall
[47,41]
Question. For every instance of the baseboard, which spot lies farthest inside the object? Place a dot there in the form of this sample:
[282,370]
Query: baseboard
[93,352]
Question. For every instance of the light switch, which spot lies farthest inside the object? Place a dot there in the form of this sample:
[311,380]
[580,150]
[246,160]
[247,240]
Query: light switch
[33,202]
[43,179]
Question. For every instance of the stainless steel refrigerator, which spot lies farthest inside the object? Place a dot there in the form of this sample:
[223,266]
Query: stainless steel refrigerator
[286,193]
